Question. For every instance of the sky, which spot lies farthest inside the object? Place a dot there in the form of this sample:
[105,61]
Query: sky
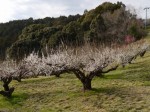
[24,9]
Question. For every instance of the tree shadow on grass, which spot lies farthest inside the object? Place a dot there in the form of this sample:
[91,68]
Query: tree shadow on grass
[119,92]
[107,90]
[17,98]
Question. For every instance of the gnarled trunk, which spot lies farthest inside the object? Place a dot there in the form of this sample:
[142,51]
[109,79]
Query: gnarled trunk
[142,53]
[57,75]
[18,78]
[7,92]
[86,80]
[86,83]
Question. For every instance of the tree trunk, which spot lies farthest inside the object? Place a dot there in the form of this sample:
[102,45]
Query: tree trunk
[18,78]
[86,80]
[7,91]
[6,87]
[142,53]
[86,84]
[57,75]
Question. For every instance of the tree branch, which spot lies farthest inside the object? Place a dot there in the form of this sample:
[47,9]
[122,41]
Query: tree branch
[111,69]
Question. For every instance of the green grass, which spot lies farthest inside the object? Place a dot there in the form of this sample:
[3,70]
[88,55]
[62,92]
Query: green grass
[124,90]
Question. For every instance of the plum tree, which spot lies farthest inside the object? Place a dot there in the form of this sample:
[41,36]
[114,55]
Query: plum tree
[11,70]
[131,51]
[7,71]
[85,62]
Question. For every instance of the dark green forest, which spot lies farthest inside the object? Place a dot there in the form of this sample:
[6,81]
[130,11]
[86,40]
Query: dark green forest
[108,23]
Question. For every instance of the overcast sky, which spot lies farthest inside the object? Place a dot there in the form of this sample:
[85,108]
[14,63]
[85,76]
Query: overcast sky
[23,9]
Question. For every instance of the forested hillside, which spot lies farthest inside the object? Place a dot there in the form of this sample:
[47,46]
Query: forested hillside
[106,23]
[9,32]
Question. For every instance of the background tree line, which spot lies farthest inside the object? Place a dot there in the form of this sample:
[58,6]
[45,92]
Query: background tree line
[107,23]
[10,31]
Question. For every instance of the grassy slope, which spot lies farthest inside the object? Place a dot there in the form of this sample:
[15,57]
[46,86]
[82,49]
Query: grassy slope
[123,90]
